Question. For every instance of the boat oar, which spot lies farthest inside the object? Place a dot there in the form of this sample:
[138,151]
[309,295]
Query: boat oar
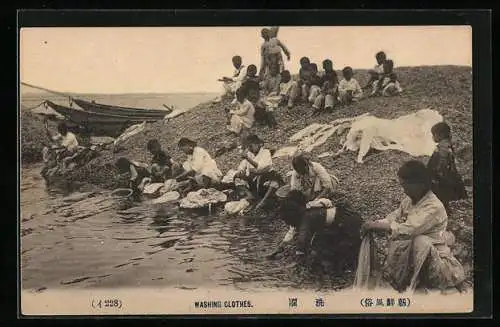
[47,90]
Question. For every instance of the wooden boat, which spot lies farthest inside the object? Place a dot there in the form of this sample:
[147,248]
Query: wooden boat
[82,116]
[98,124]
[121,111]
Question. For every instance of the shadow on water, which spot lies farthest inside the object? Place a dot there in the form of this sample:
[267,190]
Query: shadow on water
[80,237]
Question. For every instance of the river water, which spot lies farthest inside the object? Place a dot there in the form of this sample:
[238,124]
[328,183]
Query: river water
[85,239]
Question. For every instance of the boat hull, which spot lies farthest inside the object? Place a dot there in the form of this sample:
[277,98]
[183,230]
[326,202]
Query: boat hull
[121,111]
[97,124]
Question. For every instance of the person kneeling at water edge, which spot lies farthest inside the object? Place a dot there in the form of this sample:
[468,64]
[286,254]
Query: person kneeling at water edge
[200,170]
[311,178]
[161,163]
[66,143]
[256,170]
[139,175]
[333,230]
[418,251]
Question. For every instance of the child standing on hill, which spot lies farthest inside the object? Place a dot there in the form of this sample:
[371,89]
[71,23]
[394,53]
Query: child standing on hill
[349,88]
[271,52]
[329,88]
[447,183]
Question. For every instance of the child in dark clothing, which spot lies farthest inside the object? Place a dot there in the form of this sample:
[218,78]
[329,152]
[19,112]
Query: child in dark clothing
[252,74]
[313,83]
[251,86]
[138,175]
[334,230]
[378,70]
[447,183]
[329,88]
[161,163]
[304,74]
[387,84]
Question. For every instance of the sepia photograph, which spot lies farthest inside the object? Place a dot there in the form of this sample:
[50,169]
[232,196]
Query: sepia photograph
[246,170]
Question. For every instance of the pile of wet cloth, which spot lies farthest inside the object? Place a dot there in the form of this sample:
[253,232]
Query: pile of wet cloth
[409,133]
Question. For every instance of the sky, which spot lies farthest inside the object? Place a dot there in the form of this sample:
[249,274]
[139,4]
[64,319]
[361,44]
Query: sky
[191,59]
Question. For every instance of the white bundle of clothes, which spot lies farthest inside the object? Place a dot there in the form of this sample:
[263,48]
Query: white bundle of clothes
[410,133]
[202,198]
[236,207]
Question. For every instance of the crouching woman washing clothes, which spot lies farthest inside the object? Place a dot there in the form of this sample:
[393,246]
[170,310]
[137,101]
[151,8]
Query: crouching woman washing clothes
[331,230]
[418,254]
[256,170]
[311,178]
[200,170]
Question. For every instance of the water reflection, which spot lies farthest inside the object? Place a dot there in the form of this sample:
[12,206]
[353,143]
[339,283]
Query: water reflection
[87,239]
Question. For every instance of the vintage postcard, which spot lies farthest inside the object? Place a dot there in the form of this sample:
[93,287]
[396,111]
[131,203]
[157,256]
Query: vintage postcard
[246,170]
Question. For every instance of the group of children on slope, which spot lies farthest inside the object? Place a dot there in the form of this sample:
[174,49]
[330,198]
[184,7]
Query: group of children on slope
[257,96]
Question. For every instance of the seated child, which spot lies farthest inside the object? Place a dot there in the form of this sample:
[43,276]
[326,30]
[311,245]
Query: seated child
[288,92]
[231,84]
[349,88]
[313,84]
[329,88]
[330,229]
[243,116]
[139,176]
[387,85]
[378,70]
[271,83]
[447,183]
[271,53]
[252,74]
[304,74]
[262,111]
[200,170]
[161,163]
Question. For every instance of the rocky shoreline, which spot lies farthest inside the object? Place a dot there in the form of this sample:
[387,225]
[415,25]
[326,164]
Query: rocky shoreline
[371,188]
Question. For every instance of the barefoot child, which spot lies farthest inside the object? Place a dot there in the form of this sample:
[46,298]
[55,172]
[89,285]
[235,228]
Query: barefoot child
[349,88]
[271,52]
[447,183]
